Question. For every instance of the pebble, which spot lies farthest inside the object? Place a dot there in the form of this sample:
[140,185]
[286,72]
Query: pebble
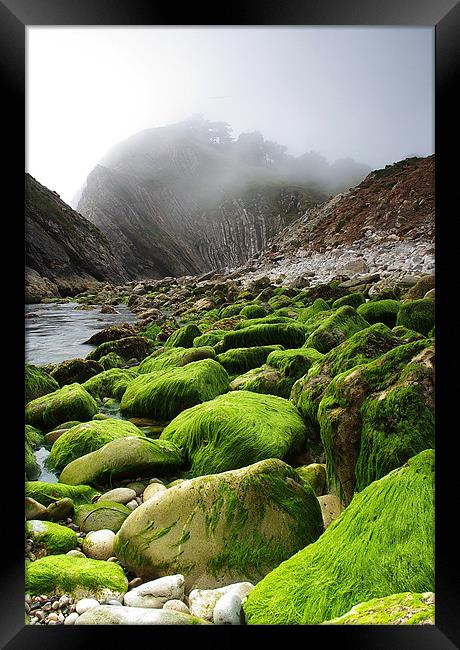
[155,593]
[98,544]
[152,489]
[112,559]
[228,610]
[85,604]
[176,605]
[119,495]
[75,553]
[135,582]
[132,505]
[203,601]
[71,618]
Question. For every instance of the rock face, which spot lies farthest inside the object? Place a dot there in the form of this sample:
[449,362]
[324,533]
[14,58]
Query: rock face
[175,201]
[65,253]
[221,528]
[397,609]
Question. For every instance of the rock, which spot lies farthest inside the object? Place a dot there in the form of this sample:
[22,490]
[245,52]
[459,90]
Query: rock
[38,383]
[164,395]
[123,458]
[285,334]
[75,371]
[137,486]
[127,348]
[168,358]
[239,360]
[151,490]
[72,402]
[236,430]
[88,437]
[108,309]
[85,604]
[98,544]
[34,509]
[380,311]
[355,266]
[101,516]
[183,337]
[108,615]
[61,509]
[203,601]
[75,553]
[47,493]
[77,577]
[362,437]
[417,315]
[112,333]
[110,383]
[54,538]
[221,528]
[314,475]
[331,508]
[71,618]
[228,610]
[176,605]
[119,495]
[156,592]
[396,609]
[382,544]
[336,328]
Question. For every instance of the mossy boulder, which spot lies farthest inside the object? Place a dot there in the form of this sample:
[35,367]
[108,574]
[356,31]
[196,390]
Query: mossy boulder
[315,476]
[55,539]
[38,383]
[87,437]
[398,609]
[360,348]
[265,380]
[316,307]
[111,333]
[103,515]
[111,360]
[328,291]
[110,383]
[380,311]
[161,396]
[407,336]
[339,326]
[266,320]
[353,299]
[374,417]
[47,493]
[75,371]
[222,528]
[209,338]
[183,337]
[239,360]
[286,334]
[294,363]
[420,288]
[167,358]
[235,430]
[382,544]
[137,347]
[71,402]
[33,439]
[60,575]
[417,315]
[276,302]
[253,311]
[130,457]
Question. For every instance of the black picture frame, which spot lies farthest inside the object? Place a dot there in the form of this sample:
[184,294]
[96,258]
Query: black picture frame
[444,17]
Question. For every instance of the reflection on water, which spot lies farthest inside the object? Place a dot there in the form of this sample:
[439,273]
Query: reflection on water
[56,332]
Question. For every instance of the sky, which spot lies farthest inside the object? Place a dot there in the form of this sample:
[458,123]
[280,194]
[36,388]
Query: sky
[364,93]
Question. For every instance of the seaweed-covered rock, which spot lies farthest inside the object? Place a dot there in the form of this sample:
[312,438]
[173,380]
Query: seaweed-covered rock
[271,319]
[374,417]
[314,475]
[77,577]
[112,333]
[163,395]
[109,615]
[398,609]
[353,299]
[285,334]
[417,315]
[360,348]
[339,326]
[407,336]
[87,437]
[54,538]
[209,338]
[47,493]
[167,358]
[380,311]
[382,544]
[137,347]
[253,311]
[38,383]
[75,371]
[316,307]
[276,302]
[420,288]
[111,360]
[110,383]
[183,337]
[265,380]
[294,363]
[235,430]
[33,438]
[123,458]
[102,515]
[238,360]
[222,528]
[71,402]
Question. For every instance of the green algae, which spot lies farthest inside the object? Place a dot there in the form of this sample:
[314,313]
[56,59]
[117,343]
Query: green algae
[417,315]
[38,383]
[183,337]
[72,402]
[166,358]
[56,539]
[239,360]
[380,311]
[110,383]
[285,334]
[47,493]
[336,328]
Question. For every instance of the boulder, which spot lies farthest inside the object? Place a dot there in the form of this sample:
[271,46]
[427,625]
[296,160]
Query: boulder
[47,493]
[38,383]
[163,395]
[131,346]
[382,544]
[109,615]
[236,430]
[285,334]
[102,515]
[353,299]
[397,609]
[58,575]
[54,538]
[71,402]
[380,311]
[167,358]
[221,528]
[417,315]
[203,601]
[123,458]
[75,371]
[110,383]
[314,475]
[336,328]
[239,360]
[98,544]
[156,593]
[183,337]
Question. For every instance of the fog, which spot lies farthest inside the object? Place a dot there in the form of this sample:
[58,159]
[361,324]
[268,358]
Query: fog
[332,93]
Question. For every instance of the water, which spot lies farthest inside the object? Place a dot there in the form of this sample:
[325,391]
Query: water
[56,332]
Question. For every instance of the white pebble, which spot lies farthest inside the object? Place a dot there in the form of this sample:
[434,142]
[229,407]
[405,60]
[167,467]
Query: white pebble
[71,618]
[85,604]
[98,544]
[132,505]
[227,610]
[156,592]
[152,489]
[176,605]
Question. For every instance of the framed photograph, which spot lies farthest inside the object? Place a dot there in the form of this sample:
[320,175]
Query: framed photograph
[227,258]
